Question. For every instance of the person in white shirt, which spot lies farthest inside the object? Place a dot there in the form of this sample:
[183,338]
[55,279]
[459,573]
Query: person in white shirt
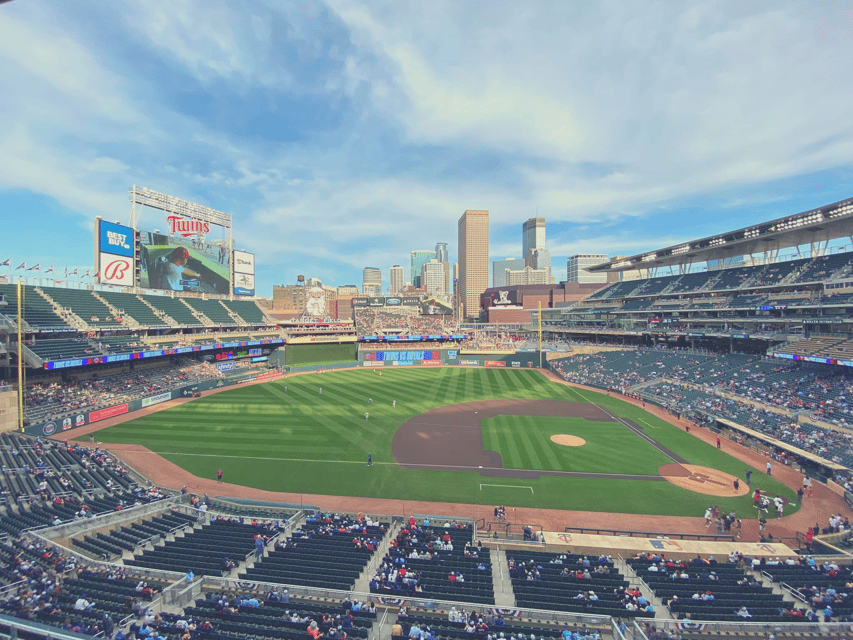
[82,604]
[173,269]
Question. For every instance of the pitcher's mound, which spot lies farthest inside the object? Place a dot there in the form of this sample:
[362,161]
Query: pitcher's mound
[567,440]
[705,480]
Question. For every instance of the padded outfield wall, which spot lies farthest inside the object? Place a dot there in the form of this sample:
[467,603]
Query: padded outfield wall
[437,357]
[299,354]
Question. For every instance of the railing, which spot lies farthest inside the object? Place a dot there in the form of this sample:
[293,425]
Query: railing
[651,534]
[556,617]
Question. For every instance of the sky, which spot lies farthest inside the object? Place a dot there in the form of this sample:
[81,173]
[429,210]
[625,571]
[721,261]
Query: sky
[341,134]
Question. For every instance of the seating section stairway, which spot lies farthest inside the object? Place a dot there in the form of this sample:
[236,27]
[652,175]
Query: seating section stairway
[323,553]
[202,551]
[571,582]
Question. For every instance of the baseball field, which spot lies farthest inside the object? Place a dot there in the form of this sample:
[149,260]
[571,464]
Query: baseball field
[464,435]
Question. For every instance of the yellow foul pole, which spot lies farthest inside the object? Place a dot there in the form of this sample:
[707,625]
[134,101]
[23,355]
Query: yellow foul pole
[540,334]
[20,356]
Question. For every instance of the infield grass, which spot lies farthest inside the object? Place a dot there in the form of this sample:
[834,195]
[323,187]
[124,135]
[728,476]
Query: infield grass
[287,436]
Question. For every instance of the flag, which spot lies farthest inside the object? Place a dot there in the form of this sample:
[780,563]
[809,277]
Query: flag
[87,274]
[35,267]
[23,265]
[75,272]
[50,270]
[66,272]
[6,263]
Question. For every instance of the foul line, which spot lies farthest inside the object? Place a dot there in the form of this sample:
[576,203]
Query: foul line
[414,465]
[508,486]
[625,424]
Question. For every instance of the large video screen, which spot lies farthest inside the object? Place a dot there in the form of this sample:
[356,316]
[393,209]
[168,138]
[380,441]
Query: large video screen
[435,307]
[197,263]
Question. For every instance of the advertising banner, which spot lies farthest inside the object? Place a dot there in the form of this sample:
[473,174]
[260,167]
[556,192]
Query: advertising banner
[359,302]
[115,239]
[471,363]
[430,363]
[160,397]
[116,270]
[244,262]
[111,412]
[244,284]
[494,363]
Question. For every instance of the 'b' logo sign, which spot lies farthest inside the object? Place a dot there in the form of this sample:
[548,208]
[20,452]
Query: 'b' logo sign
[115,270]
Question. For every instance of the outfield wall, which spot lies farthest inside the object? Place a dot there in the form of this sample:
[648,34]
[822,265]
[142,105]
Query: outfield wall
[299,354]
[444,357]
[90,417]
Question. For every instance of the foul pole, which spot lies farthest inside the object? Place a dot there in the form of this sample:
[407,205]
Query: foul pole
[540,334]
[20,293]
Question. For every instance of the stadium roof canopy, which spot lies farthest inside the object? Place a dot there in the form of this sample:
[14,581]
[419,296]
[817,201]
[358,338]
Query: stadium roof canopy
[810,227]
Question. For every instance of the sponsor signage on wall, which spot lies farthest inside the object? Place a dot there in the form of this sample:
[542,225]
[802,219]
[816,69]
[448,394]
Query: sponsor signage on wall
[111,412]
[152,400]
[124,357]
[494,363]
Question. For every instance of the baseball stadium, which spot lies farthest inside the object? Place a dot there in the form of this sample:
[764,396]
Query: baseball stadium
[667,456]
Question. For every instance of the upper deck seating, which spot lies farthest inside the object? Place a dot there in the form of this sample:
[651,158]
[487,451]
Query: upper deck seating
[37,312]
[130,305]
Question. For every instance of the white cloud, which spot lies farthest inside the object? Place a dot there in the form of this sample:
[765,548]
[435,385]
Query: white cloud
[684,98]
[600,114]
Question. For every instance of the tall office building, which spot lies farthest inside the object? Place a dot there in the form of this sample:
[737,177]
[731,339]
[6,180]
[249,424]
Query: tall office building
[397,277]
[576,268]
[372,281]
[432,277]
[532,236]
[473,261]
[499,268]
[443,257]
[419,259]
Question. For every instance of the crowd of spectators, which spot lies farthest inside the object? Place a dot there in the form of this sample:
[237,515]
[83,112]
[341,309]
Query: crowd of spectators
[416,542]
[41,569]
[740,388]
[380,321]
[73,394]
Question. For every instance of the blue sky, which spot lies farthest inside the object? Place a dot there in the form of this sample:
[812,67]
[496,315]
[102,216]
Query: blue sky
[344,134]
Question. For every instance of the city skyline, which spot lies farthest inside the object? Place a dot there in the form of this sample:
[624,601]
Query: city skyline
[353,148]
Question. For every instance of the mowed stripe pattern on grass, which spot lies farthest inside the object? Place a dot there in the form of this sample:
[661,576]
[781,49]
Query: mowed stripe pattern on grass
[302,423]
[286,436]
[524,442]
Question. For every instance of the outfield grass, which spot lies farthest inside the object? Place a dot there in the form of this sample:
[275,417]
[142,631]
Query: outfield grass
[287,436]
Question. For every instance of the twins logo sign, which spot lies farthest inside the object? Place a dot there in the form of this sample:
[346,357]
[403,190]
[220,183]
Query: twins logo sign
[116,270]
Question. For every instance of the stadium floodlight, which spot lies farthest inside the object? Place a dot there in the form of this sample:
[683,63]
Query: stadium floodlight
[170,204]
[751,233]
[649,257]
[622,263]
[682,249]
[717,242]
